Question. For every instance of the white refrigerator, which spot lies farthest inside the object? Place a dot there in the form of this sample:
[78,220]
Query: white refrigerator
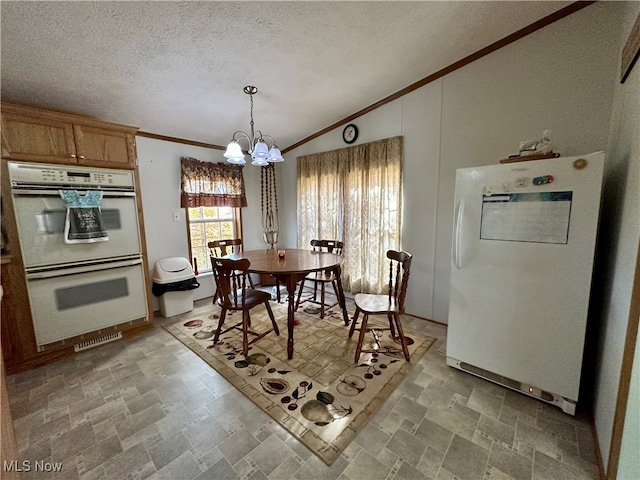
[524,240]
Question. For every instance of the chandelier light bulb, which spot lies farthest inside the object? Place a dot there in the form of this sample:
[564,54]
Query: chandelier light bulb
[234,150]
[275,155]
[260,150]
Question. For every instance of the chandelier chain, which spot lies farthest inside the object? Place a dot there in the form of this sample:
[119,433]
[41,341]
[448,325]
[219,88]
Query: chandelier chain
[253,136]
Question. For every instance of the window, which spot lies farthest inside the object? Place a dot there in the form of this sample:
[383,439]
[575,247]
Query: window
[207,224]
[212,195]
[354,195]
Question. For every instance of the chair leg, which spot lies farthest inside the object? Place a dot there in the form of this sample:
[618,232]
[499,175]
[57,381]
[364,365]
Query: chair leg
[403,341]
[322,301]
[335,290]
[223,315]
[363,329]
[273,319]
[299,295]
[353,322]
[245,332]
[391,327]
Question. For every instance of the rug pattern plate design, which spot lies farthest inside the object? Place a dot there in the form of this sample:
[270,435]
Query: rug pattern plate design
[320,396]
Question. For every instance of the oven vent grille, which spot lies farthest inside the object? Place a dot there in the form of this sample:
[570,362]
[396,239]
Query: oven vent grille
[97,341]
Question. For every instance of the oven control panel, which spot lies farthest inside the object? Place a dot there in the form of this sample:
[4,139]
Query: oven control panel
[33,174]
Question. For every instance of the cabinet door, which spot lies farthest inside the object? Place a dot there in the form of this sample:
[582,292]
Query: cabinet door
[37,139]
[103,147]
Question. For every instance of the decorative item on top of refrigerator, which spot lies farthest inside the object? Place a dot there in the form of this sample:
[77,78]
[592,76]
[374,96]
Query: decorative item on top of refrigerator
[522,258]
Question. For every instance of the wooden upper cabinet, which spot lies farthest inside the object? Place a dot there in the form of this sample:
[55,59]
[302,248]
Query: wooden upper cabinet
[35,135]
[97,146]
[37,139]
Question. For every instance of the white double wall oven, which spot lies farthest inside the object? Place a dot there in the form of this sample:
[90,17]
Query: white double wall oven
[78,288]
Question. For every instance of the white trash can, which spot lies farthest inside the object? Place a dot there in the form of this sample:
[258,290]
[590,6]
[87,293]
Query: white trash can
[173,284]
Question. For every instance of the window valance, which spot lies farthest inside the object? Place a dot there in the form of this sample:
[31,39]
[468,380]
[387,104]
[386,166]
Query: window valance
[208,184]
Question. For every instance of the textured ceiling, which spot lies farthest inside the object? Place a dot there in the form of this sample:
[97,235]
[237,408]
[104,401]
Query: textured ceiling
[178,68]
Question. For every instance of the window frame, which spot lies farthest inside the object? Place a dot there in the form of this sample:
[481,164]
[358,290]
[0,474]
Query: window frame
[237,220]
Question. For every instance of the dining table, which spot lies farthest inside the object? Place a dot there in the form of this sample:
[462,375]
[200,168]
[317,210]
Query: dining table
[289,267]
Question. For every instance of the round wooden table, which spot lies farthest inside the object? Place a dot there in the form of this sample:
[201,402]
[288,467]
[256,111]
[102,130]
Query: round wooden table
[291,269]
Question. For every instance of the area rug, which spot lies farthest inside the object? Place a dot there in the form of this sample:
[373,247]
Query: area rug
[320,396]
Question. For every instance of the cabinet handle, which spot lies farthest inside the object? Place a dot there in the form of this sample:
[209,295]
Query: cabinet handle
[73,155]
[81,156]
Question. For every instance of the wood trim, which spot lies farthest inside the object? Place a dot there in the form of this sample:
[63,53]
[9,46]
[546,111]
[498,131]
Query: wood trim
[39,112]
[143,242]
[523,32]
[631,51]
[155,136]
[239,231]
[625,375]
[17,335]
[187,222]
[528,158]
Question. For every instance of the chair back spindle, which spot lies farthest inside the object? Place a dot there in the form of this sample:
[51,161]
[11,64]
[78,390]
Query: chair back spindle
[330,246]
[398,285]
[230,285]
[220,248]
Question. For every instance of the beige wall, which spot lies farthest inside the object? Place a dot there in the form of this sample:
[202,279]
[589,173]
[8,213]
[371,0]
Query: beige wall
[616,260]
[559,78]
[562,77]
[159,166]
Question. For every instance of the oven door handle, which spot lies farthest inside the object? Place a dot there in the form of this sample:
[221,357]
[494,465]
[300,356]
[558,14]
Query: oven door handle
[96,267]
[56,193]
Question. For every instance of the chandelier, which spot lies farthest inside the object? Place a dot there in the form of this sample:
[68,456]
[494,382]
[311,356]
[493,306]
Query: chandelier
[260,152]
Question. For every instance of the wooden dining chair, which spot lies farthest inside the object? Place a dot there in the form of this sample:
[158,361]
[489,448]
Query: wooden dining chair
[391,305]
[220,248]
[322,278]
[233,295]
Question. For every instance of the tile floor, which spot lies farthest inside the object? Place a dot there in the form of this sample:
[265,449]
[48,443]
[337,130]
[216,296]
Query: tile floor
[149,408]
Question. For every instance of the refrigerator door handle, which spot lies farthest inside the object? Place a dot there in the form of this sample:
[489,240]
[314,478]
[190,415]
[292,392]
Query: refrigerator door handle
[457,234]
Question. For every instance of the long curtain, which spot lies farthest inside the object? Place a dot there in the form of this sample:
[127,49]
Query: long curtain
[354,194]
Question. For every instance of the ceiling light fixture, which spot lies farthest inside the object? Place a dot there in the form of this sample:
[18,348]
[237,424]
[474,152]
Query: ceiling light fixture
[260,152]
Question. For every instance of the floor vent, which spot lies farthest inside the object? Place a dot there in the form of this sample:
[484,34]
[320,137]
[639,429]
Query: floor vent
[97,341]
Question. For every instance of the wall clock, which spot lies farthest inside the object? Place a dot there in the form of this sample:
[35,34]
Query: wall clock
[350,133]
